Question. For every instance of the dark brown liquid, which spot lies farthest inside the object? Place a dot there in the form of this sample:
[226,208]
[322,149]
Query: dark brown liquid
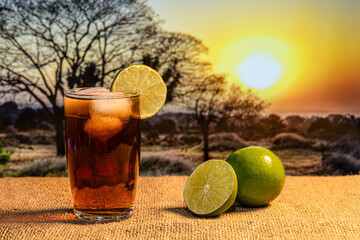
[103,168]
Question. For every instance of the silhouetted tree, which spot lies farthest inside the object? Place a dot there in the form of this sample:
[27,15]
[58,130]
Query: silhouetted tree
[271,125]
[89,77]
[7,112]
[9,107]
[176,56]
[166,126]
[294,122]
[333,127]
[5,121]
[26,120]
[47,46]
[149,133]
[212,100]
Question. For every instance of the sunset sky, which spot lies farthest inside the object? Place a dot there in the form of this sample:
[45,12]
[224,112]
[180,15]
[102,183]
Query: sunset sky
[306,53]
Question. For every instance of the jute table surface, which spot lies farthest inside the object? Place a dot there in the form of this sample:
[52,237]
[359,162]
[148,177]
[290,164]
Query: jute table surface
[308,208]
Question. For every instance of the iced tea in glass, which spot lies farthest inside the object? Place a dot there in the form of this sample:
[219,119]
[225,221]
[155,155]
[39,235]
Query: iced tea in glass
[103,152]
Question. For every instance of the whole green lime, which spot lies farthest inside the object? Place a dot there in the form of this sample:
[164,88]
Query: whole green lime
[260,175]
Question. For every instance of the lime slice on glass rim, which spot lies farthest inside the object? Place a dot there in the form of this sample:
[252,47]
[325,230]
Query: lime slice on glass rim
[145,81]
[211,189]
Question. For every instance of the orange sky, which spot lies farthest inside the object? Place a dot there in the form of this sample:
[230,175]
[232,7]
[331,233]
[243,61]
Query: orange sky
[317,43]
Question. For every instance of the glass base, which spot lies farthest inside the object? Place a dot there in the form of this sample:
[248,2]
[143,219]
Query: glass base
[103,217]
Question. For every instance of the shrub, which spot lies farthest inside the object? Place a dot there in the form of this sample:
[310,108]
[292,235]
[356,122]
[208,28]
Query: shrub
[293,122]
[14,138]
[290,140]
[36,137]
[149,134]
[343,157]
[11,130]
[334,126]
[33,119]
[5,122]
[150,138]
[340,164]
[169,163]
[321,145]
[166,126]
[26,120]
[52,166]
[190,139]
[4,156]
[226,141]
[168,140]
[151,164]
[346,145]
[271,125]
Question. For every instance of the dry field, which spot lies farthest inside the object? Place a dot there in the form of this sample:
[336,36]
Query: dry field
[157,161]
[25,154]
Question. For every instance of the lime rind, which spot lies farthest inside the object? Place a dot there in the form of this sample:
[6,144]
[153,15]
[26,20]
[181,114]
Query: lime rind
[260,174]
[211,189]
[145,80]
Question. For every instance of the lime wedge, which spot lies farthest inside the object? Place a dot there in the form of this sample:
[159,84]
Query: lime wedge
[211,189]
[146,81]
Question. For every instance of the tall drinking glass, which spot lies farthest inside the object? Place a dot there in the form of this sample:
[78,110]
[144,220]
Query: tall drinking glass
[103,152]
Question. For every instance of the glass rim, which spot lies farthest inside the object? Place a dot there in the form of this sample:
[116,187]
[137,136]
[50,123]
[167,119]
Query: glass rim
[73,93]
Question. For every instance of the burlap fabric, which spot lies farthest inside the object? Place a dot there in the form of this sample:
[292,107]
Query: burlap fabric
[308,208]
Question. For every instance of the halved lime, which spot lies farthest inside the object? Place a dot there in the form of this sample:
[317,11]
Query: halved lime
[146,81]
[211,189]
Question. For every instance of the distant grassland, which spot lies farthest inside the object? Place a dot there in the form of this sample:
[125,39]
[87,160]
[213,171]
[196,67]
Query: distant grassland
[296,161]
[155,161]
[24,155]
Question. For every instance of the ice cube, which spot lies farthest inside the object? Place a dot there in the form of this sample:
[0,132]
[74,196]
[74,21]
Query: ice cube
[76,107]
[103,127]
[93,91]
[80,107]
[118,108]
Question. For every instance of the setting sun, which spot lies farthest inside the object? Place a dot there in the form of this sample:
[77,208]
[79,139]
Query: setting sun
[315,43]
[259,70]
[265,64]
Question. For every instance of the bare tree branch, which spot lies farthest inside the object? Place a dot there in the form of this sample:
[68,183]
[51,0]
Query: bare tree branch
[50,45]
